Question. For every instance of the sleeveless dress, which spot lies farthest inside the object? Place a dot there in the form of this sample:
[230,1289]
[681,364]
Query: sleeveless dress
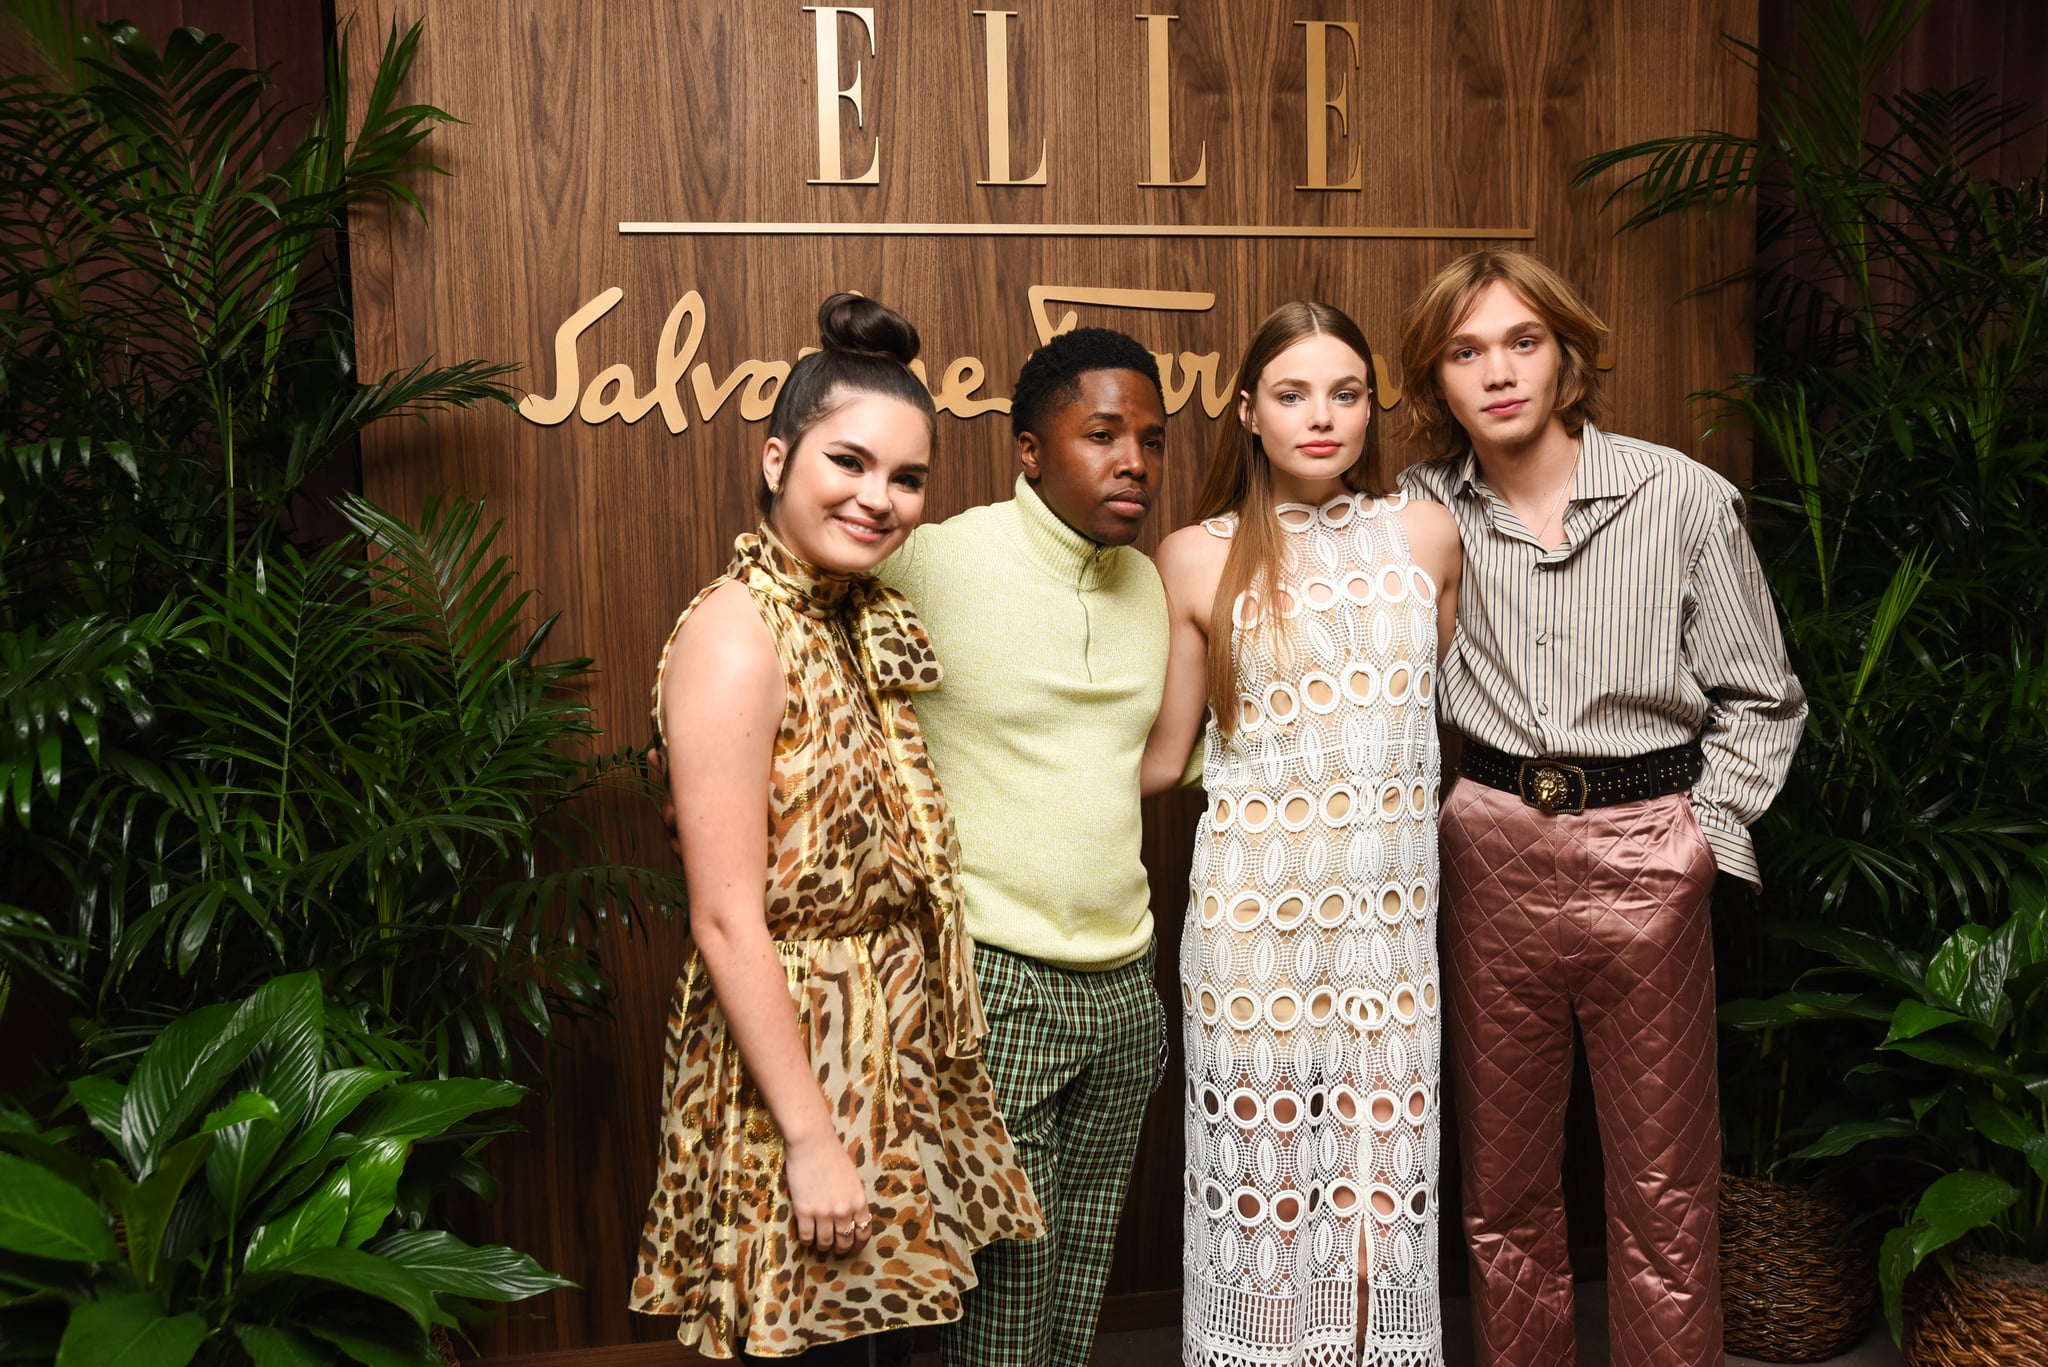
[865,912]
[1313,1027]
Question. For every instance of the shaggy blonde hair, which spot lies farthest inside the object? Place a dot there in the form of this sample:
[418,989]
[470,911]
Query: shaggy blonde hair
[1445,302]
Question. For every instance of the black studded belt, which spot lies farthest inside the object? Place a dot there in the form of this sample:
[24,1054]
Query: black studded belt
[1557,785]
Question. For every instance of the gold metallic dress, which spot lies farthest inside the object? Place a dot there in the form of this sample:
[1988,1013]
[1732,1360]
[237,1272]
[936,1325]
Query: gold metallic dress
[864,908]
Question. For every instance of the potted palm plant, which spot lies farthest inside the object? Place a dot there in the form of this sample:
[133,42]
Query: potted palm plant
[1948,1099]
[1900,408]
[297,815]
[229,752]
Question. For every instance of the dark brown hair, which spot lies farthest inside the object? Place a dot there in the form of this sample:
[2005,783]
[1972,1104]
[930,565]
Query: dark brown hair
[1432,320]
[867,349]
[1240,480]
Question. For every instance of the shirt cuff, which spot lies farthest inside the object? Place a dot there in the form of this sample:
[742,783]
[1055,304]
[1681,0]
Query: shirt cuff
[1729,840]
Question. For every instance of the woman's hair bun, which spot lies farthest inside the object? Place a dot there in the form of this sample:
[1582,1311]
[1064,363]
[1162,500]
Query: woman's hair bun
[853,322]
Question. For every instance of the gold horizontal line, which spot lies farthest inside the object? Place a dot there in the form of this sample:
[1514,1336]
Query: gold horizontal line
[1056,230]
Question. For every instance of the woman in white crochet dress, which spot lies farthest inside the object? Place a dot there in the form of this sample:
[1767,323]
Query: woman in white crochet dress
[1309,613]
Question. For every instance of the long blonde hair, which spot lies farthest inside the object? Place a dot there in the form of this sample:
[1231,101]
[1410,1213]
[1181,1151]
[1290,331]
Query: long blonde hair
[1240,481]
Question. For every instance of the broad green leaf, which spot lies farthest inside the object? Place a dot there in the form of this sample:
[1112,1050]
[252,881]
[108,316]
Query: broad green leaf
[48,1151]
[1965,1054]
[444,1263]
[170,1070]
[100,1099]
[1839,1139]
[1948,972]
[44,1216]
[357,1270]
[1913,1018]
[421,1110]
[2000,1123]
[1921,1105]
[335,1095]
[1955,1204]
[1874,956]
[411,1348]
[2037,1155]
[247,1106]
[286,1065]
[180,1074]
[268,1346]
[1983,996]
[1790,1008]
[129,1331]
[316,1222]
[1895,1262]
[148,1209]
[240,1161]
[373,1188]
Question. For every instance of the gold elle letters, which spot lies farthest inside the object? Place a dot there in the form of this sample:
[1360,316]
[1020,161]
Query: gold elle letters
[679,381]
[838,81]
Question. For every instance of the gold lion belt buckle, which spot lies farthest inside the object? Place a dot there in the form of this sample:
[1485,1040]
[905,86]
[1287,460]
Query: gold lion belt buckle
[1552,787]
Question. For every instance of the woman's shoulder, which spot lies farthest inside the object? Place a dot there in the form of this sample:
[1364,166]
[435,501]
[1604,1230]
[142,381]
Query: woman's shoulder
[1195,545]
[1419,516]
[723,633]
[1190,562]
[1432,535]
[720,646]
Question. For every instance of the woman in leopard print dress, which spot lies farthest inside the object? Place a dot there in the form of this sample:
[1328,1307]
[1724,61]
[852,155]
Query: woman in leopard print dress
[831,1149]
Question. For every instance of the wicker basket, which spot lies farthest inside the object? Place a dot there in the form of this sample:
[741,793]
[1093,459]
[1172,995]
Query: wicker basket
[1995,1314]
[1797,1284]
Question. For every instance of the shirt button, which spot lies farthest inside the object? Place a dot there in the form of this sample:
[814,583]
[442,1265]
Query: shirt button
[1543,709]
[1542,638]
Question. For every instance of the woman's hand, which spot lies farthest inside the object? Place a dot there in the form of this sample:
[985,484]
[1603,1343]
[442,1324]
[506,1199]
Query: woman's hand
[826,1196]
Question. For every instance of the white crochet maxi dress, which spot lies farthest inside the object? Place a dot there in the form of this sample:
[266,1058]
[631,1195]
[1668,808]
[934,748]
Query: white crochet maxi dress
[1313,1023]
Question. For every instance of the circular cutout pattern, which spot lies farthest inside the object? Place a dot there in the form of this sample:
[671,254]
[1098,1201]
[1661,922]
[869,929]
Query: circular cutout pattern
[1309,963]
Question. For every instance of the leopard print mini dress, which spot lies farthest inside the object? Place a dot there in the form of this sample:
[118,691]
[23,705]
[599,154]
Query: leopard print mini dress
[864,908]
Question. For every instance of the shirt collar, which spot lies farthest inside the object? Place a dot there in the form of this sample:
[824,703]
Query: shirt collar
[1605,471]
[1061,551]
[1465,474]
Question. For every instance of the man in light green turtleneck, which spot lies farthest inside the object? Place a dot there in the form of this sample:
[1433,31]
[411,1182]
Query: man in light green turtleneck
[1052,632]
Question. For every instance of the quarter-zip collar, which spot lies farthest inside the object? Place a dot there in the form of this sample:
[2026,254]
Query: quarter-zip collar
[1056,548]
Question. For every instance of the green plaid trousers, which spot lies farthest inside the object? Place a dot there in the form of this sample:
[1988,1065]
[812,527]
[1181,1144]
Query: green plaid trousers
[1073,1057]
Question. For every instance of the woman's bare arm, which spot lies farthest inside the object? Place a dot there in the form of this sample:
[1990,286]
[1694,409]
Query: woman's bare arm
[1433,543]
[1190,564]
[722,704]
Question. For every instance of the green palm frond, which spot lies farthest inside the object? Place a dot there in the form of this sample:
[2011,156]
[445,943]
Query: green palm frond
[223,755]
[1706,170]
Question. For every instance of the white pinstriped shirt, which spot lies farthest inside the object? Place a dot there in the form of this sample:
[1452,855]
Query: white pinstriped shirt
[1649,626]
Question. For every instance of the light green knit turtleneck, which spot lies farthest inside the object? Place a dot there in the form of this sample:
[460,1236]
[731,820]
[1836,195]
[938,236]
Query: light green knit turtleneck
[1054,650]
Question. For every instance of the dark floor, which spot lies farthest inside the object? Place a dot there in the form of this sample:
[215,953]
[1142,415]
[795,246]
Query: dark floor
[1161,1347]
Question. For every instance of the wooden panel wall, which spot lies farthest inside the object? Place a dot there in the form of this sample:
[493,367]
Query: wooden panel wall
[1461,115]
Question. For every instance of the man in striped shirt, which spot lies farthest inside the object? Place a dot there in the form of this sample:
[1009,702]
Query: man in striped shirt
[1627,710]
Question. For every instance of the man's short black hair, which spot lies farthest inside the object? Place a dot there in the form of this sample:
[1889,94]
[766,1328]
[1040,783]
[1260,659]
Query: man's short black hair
[1051,377]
